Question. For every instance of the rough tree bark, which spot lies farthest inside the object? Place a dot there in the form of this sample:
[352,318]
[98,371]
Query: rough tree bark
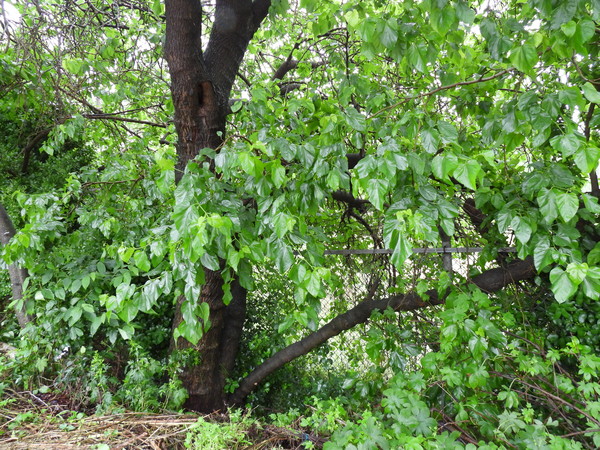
[201,83]
[17,274]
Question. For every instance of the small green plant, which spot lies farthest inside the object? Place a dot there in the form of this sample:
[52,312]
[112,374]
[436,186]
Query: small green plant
[207,435]
[144,389]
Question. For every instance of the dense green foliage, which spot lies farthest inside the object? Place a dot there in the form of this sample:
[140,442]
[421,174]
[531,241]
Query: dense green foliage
[444,102]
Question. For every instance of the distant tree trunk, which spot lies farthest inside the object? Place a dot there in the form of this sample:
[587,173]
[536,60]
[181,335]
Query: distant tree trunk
[201,83]
[17,274]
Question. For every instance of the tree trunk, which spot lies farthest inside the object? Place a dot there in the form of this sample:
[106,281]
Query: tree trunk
[17,274]
[205,381]
[201,83]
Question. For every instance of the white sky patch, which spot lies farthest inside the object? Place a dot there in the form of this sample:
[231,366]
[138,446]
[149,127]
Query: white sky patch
[10,12]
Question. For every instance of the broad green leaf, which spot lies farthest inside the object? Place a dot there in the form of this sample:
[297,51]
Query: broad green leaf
[75,66]
[577,272]
[448,132]
[416,57]
[355,119]
[591,288]
[542,254]
[278,175]
[591,93]
[569,28]
[443,165]
[524,57]
[389,35]
[587,157]
[352,17]
[430,140]
[442,19]
[141,261]
[96,322]
[567,204]
[402,250]
[585,31]
[567,144]
[377,191]
[313,283]
[562,286]
[128,311]
[283,223]
[283,255]
[221,223]
[247,162]
[593,257]
[467,173]
[333,179]
[210,261]
[547,202]
[522,229]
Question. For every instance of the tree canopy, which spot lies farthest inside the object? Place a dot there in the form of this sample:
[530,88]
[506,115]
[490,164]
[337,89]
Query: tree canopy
[196,195]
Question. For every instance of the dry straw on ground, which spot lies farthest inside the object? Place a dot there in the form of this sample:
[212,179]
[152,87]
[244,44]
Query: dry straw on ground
[29,421]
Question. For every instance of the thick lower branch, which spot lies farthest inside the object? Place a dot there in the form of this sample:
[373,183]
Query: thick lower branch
[17,274]
[349,199]
[490,281]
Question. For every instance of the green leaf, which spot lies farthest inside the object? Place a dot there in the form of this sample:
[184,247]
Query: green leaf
[352,17]
[443,165]
[591,288]
[478,378]
[333,179]
[569,28]
[547,202]
[75,66]
[567,204]
[416,57]
[442,19]
[562,286]
[377,190]
[467,173]
[278,175]
[524,57]
[96,322]
[593,257]
[402,250]
[283,223]
[210,261]
[586,158]
[577,272]
[430,140]
[448,132]
[591,93]
[128,312]
[355,119]
[313,284]
[567,144]
[282,254]
[571,96]
[124,292]
[585,31]
[542,254]
[247,162]
[141,261]
[564,13]
[389,35]
[522,229]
